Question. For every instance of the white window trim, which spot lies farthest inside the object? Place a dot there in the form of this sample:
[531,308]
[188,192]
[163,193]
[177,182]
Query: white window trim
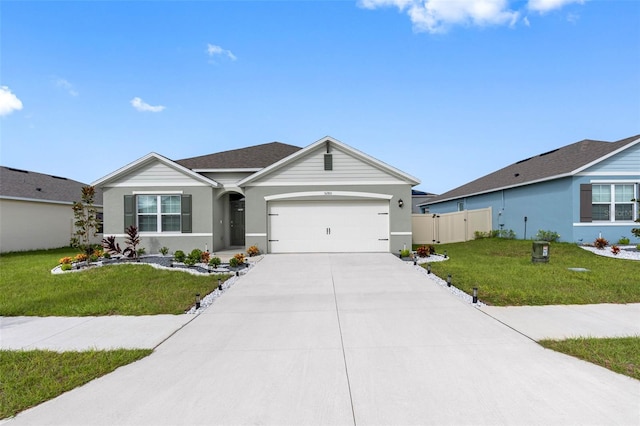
[157,193]
[612,202]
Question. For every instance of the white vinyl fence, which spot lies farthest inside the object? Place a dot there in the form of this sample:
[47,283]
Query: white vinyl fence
[453,227]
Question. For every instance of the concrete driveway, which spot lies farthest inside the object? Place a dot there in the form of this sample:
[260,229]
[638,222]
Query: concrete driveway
[346,339]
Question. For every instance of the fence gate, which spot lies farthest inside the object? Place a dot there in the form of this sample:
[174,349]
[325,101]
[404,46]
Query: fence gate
[453,227]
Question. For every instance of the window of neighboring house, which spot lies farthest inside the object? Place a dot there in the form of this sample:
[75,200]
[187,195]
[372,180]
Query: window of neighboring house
[100,218]
[158,213]
[612,202]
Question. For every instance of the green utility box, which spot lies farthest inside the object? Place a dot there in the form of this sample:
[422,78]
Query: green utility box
[540,252]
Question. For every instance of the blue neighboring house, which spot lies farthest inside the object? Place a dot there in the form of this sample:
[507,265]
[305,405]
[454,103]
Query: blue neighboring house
[581,191]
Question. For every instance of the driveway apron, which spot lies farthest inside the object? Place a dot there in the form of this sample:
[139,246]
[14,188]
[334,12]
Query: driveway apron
[346,339]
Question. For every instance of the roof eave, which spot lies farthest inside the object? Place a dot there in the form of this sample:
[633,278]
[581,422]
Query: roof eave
[606,156]
[230,170]
[502,188]
[287,160]
[147,158]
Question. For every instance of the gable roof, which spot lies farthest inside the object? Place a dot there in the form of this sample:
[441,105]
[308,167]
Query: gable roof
[561,162]
[152,156]
[253,157]
[28,185]
[329,140]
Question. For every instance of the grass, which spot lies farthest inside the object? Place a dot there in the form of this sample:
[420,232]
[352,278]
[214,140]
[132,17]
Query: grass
[621,355]
[505,276]
[28,288]
[32,377]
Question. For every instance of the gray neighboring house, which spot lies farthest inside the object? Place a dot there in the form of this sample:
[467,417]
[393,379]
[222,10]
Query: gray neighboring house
[326,197]
[35,210]
[418,198]
[581,191]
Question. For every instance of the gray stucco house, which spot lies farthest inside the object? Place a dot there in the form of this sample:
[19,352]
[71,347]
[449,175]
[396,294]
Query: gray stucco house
[326,197]
[582,191]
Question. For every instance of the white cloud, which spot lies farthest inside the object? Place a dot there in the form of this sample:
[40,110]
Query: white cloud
[8,101]
[573,18]
[64,84]
[213,50]
[142,106]
[544,6]
[437,16]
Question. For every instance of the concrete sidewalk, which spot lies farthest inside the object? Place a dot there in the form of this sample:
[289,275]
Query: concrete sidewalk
[565,321]
[346,339]
[146,332]
[84,333]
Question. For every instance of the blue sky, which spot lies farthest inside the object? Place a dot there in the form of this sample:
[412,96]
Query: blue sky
[444,90]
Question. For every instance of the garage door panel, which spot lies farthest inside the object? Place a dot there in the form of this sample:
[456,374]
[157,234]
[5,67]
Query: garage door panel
[329,226]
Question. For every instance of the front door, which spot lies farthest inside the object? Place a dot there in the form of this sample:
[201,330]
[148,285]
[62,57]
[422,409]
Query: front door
[236,223]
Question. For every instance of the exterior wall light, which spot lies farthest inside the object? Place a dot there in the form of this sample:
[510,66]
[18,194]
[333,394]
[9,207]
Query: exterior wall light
[400,203]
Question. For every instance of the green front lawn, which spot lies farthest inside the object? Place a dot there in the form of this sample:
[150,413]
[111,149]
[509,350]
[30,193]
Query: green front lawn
[621,355]
[505,276]
[32,377]
[28,288]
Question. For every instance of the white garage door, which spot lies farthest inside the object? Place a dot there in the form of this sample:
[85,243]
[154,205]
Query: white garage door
[328,226]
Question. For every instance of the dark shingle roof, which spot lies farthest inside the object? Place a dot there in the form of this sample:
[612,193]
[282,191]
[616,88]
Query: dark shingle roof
[26,184]
[558,162]
[253,157]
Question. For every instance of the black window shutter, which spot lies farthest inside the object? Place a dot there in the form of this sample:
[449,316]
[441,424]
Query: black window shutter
[585,202]
[129,211]
[186,213]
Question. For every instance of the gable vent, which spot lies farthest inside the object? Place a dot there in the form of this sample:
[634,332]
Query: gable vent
[328,162]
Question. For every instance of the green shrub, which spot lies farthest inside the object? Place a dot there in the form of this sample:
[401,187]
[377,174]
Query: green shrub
[507,233]
[624,241]
[66,267]
[233,262]
[550,236]
[179,256]
[405,253]
[141,251]
[93,258]
[106,255]
[478,235]
[215,262]
[164,250]
[196,254]
[190,261]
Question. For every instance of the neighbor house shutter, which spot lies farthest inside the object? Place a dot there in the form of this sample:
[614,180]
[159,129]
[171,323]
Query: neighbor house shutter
[585,202]
[186,213]
[129,211]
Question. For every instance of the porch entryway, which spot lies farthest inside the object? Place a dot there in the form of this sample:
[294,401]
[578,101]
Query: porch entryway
[236,220]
